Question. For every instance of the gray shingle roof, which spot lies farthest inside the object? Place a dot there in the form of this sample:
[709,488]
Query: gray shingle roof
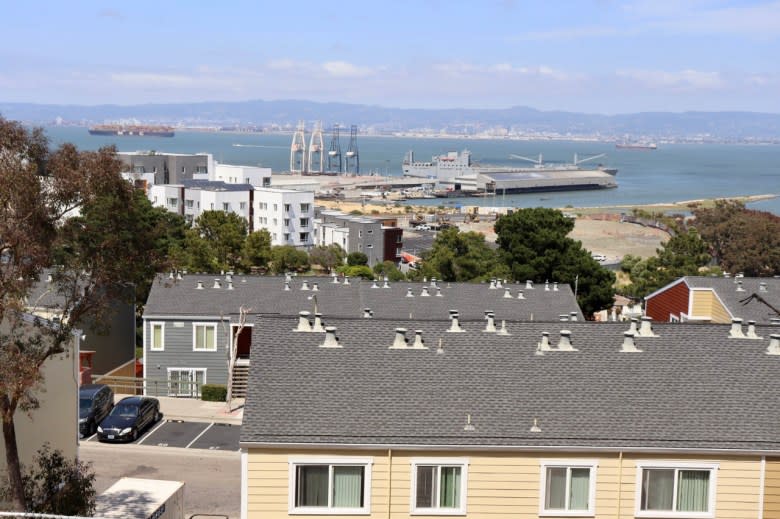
[266,294]
[691,387]
[726,289]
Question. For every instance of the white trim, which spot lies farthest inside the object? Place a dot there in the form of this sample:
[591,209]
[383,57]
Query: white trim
[722,304]
[463,463]
[195,326]
[761,483]
[568,464]
[295,461]
[180,317]
[152,324]
[244,483]
[146,357]
[190,388]
[659,464]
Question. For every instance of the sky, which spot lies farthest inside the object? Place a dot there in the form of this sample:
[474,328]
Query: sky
[594,56]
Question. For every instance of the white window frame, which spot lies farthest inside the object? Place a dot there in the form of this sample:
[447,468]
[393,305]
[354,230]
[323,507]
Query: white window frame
[194,336]
[152,324]
[191,373]
[677,466]
[463,463]
[295,461]
[568,464]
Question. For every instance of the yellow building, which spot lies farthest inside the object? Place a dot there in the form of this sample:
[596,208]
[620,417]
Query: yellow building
[533,421]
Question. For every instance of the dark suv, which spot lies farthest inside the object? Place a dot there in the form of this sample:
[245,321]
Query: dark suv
[95,403]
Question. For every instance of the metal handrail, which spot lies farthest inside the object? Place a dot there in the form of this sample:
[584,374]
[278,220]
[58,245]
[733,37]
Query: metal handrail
[153,387]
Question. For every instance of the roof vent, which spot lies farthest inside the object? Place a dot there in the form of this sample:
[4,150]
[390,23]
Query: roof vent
[418,343]
[774,321]
[573,316]
[425,279]
[230,285]
[564,344]
[424,292]
[646,327]
[633,329]
[217,284]
[529,285]
[315,287]
[178,276]
[438,292]
[544,344]
[520,295]
[736,329]
[318,323]
[535,427]
[409,292]
[335,280]
[546,286]
[305,285]
[563,318]
[740,288]
[498,284]
[440,348]
[367,313]
[386,284]
[503,330]
[555,286]
[200,285]
[374,285]
[48,279]
[469,426]
[286,286]
[490,327]
[303,322]
[433,282]
[762,286]
[774,345]
[400,341]
[287,277]
[507,293]
[492,284]
[229,276]
[455,326]
[346,280]
[331,341]
[629,345]
[751,331]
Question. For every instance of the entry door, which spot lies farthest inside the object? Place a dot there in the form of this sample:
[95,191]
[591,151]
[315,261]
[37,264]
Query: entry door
[185,381]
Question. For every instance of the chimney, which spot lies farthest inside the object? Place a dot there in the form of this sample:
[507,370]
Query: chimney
[217,284]
[424,292]
[230,285]
[564,344]
[346,280]
[544,345]
[546,286]
[305,285]
[318,323]
[418,343]
[736,329]
[507,293]
[646,327]
[520,295]
[400,341]
[573,316]
[438,292]
[374,285]
[629,346]
[455,326]
[409,292]
[563,318]
[286,286]
[335,280]
[503,330]
[751,331]
[739,286]
[200,285]
[367,313]
[762,286]
[774,345]
[490,327]
[303,322]
[633,329]
[331,341]
[315,287]
[529,285]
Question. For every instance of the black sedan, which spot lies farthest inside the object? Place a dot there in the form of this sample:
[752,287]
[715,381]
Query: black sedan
[129,418]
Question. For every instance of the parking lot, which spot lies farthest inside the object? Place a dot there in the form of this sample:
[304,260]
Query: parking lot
[189,435]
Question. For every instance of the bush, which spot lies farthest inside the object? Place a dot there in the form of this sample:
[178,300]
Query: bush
[355,271]
[213,393]
[357,258]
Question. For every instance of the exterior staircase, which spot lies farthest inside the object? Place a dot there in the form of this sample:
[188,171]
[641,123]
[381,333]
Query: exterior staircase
[240,379]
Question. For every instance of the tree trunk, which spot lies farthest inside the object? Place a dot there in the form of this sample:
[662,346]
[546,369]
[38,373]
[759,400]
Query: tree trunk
[12,460]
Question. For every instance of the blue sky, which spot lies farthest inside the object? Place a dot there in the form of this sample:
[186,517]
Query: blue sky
[595,56]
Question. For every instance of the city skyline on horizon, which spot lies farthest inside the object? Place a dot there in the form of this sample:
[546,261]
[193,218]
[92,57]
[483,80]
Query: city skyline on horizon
[596,56]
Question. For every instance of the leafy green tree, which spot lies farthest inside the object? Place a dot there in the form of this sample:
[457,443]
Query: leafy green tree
[389,269]
[354,271]
[286,258]
[256,251]
[356,258]
[327,256]
[215,241]
[462,256]
[534,245]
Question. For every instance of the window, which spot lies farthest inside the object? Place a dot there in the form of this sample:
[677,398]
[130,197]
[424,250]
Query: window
[676,490]
[303,237]
[242,205]
[201,169]
[138,169]
[330,485]
[204,337]
[304,222]
[189,203]
[266,181]
[173,202]
[567,488]
[286,222]
[439,486]
[276,222]
[225,206]
[276,207]
[157,342]
[286,237]
[304,208]
[286,208]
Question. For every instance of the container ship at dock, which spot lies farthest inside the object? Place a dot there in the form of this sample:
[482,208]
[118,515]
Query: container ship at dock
[457,175]
[131,130]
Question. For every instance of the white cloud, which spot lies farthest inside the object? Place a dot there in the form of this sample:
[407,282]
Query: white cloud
[683,79]
[343,69]
[572,33]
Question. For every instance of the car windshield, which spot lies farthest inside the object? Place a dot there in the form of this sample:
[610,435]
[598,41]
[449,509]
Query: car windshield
[85,403]
[125,410]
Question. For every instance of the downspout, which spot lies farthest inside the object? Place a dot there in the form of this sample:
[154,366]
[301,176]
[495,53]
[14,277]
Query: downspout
[762,482]
[620,482]
[390,480]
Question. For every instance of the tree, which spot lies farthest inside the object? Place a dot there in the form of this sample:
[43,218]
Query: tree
[327,256]
[56,485]
[389,269]
[356,258]
[256,251]
[285,258]
[534,245]
[357,271]
[462,256]
[96,260]
[215,241]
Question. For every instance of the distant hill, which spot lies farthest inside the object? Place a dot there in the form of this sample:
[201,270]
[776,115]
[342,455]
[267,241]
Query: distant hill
[716,125]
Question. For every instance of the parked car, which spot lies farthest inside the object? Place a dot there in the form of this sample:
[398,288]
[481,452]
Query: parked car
[95,403]
[129,419]
[599,257]
[424,227]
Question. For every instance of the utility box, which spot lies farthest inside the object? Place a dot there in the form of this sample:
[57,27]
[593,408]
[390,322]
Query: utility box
[133,498]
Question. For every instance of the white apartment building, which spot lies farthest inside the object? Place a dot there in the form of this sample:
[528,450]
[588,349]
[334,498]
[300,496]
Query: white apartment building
[287,214]
[256,176]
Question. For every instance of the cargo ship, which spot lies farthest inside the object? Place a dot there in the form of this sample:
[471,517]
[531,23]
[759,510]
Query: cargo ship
[636,146]
[455,172]
[135,130]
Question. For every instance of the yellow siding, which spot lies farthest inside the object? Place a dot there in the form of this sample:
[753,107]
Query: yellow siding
[504,485]
[701,303]
[772,489]
[719,313]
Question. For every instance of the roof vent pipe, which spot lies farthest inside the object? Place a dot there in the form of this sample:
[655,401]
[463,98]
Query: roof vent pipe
[529,285]
[229,276]
[409,292]
[629,346]
[287,277]
[230,285]
[48,279]
[346,280]
[200,285]
[433,282]
[762,286]
[546,285]
[438,292]
[751,331]
[418,343]
[544,344]
[503,330]
[400,341]
[315,287]
[498,284]
[490,327]
[217,284]
[318,323]
[555,286]
[335,280]
[303,322]
[286,286]
[646,327]
[520,295]
[507,293]
[424,292]
[573,316]
[374,285]
[564,344]
[535,427]
[563,318]
[305,285]
[455,326]
[736,329]
[633,329]
[492,284]
[367,313]
[178,276]
[440,348]
[740,288]
[774,345]
[331,341]
[386,284]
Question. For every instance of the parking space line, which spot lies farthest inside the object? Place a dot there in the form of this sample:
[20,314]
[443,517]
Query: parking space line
[90,438]
[201,434]
[162,422]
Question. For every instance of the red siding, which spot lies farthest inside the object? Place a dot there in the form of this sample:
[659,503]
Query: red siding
[672,301]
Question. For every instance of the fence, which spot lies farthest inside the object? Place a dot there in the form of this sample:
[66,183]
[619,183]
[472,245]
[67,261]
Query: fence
[154,387]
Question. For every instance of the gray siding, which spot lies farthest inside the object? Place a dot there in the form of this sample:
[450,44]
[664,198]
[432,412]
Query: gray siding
[178,351]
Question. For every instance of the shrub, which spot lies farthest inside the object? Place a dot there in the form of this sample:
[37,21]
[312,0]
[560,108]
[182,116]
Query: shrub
[213,393]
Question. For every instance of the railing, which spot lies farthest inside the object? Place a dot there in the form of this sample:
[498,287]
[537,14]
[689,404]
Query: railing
[154,387]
